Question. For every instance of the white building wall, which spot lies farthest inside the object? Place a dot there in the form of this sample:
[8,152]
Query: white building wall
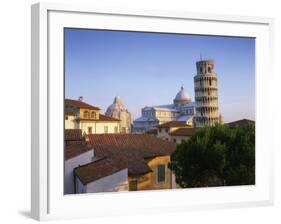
[85,125]
[80,187]
[174,183]
[69,165]
[163,134]
[113,183]
[70,122]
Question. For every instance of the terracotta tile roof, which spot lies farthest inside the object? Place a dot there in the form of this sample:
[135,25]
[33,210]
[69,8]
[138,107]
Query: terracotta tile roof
[152,132]
[145,144]
[106,166]
[70,113]
[173,124]
[184,132]
[98,169]
[75,148]
[72,134]
[120,151]
[75,143]
[80,104]
[107,118]
[101,118]
[240,122]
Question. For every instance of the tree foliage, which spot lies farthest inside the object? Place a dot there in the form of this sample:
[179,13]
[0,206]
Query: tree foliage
[216,156]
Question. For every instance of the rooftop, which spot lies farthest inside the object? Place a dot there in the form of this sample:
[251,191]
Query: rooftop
[144,144]
[69,113]
[80,104]
[121,151]
[171,124]
[72,134]
[184,132]
[75,149]
[75,143]
[241,122]
[101,118]
[98,169]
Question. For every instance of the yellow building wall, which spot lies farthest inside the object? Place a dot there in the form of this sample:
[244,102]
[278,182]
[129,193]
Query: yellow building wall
[82,110]
[179,139]
[164,134]
[149,181]
[98,127]
[110,126]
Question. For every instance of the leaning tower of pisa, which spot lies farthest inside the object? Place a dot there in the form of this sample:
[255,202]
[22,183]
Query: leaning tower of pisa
[206,94]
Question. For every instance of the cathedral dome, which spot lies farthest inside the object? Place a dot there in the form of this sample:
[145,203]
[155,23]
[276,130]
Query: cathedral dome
[182,97]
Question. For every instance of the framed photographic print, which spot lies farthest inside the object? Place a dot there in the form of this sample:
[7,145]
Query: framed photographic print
[148,111]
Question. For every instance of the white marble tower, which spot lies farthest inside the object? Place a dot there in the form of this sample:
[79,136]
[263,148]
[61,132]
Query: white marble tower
[206,94]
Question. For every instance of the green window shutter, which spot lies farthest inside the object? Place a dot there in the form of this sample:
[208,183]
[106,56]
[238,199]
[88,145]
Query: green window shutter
[133,185]
[161,170]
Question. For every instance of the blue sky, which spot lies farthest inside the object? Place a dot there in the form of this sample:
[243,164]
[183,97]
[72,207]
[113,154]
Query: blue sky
[147,69]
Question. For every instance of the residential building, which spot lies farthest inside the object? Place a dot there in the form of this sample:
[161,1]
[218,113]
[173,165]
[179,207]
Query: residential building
[126,162]
[103,175]
[70,120]
[164,130]
[175,131]
[77,152]
[81,115]
[182,134]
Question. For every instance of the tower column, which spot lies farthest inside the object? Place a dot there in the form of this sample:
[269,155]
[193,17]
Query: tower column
[206,94]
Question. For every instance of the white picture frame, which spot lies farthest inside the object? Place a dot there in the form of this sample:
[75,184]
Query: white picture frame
[48,201]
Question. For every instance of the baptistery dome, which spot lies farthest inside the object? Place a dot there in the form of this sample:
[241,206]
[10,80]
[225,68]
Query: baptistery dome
[182,97]
[114,109]
[117,110]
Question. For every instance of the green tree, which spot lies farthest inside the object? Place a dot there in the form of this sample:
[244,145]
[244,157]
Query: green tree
[216,156]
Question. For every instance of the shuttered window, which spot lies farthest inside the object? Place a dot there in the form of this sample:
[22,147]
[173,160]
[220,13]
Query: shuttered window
[161,170]
[133,185]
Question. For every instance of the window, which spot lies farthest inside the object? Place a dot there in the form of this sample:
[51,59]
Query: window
[115,129]
[209,70]
[86,114]
[105,129]
[175,140]
[89,130]
[210,82]
[161,169]
[93,115]
[133,185]
[66,117]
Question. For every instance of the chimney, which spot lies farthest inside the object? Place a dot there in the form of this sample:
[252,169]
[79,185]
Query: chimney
[80,98]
